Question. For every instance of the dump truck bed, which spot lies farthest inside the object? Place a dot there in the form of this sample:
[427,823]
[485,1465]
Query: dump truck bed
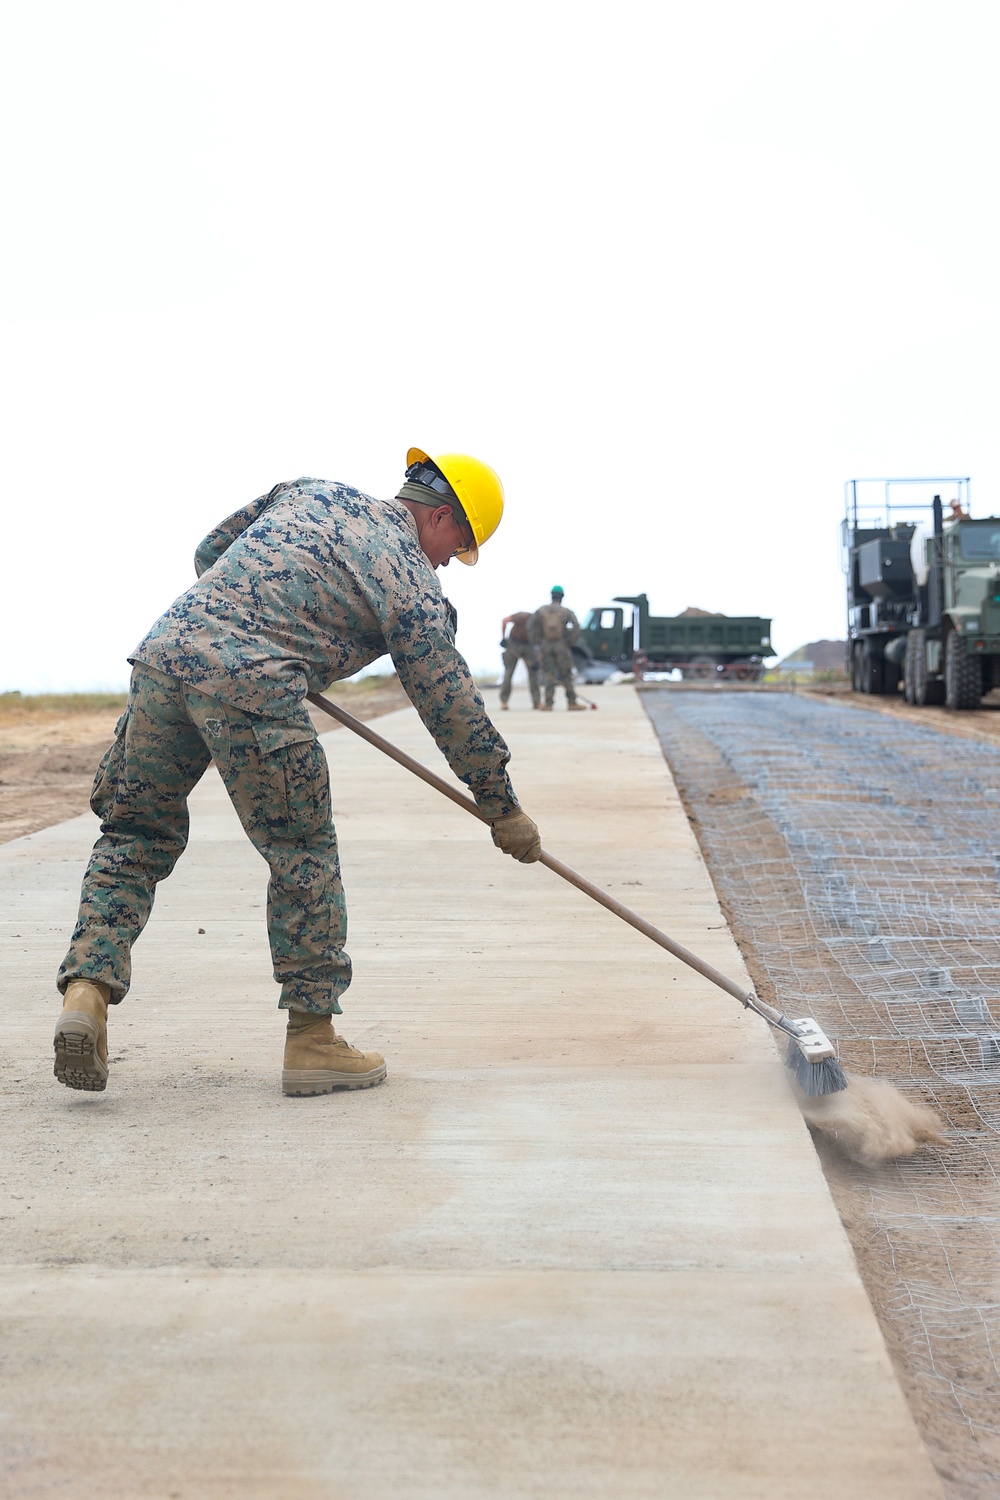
[684,637]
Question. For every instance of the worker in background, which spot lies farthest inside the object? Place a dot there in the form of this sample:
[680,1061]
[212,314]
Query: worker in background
[517,645]
[958,511]
[553,629]
[300,588]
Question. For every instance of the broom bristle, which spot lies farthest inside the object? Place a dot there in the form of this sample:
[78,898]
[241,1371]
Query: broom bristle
[826,1077]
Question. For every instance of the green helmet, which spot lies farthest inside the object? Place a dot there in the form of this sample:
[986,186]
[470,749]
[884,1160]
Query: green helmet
[557,588]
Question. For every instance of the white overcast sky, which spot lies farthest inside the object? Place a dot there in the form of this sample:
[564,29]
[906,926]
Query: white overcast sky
[677,270]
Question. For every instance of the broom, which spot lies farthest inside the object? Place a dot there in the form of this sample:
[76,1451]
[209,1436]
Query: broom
[809,1054]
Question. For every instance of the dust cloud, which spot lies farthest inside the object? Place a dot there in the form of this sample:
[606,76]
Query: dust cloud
[872,1122]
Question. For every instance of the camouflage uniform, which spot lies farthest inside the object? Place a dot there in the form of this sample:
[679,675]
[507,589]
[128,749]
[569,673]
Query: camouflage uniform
[555,628]
[301,588]
[518,646]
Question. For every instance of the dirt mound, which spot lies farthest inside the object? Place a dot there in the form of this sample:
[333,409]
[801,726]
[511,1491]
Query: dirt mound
[823,656]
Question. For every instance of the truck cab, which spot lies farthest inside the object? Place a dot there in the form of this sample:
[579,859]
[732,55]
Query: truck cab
[608,638]
[972,575]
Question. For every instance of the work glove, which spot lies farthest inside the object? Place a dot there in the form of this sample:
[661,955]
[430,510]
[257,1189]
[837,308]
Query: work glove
[517,835]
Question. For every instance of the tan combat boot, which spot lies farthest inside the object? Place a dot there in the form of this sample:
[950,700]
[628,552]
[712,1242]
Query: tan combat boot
[577,708]
[81,1039]
[317,1060]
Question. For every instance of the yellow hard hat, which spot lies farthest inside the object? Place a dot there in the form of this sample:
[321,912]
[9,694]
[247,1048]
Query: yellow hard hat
[479,491]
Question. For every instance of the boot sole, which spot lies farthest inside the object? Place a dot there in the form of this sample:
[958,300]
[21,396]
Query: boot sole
[300,1083]
[77,1063]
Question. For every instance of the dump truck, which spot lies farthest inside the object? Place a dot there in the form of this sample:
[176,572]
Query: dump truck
[923,591]
[702,645]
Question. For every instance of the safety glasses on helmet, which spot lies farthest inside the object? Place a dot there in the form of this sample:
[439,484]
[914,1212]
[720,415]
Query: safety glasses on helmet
[432,479]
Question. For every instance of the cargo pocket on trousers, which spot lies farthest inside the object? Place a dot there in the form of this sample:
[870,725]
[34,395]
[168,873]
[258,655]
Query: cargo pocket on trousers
[295,771]
[108,773]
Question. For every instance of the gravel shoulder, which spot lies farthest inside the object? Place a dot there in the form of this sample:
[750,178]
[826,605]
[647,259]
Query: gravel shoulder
[977,723]
[814,861]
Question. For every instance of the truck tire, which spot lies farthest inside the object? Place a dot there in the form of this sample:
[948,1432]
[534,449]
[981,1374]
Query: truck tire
[927,691]
[873,670]
[910,668]
[700,669]
[857,668]
[963,674]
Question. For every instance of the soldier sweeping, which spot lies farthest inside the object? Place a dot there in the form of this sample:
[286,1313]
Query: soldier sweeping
[517,645]
[554,628]
[301,588]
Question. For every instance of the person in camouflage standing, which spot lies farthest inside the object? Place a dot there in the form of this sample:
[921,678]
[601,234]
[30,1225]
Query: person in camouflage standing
[517,645]
[301,588]
[554,628]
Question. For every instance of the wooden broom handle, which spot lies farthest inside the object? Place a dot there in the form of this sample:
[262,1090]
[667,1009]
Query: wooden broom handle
[709,971]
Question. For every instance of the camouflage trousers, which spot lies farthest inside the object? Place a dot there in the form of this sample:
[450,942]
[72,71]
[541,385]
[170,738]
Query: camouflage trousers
[277,777]
[557,667]
[513,652]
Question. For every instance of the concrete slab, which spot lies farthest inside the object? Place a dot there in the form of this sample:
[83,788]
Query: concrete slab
[579,1243]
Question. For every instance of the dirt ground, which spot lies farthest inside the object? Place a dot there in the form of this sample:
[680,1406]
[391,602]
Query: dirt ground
[726,817]
[50,747]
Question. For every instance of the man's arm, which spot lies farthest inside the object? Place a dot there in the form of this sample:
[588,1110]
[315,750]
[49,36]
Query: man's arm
[211,549]
[405,596]
[437,681]
[572,627]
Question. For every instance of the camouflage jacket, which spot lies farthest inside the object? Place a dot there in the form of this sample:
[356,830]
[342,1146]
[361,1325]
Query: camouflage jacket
[306,585]
[554,622]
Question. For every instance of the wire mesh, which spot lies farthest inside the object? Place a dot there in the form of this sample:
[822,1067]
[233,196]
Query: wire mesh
[858,858]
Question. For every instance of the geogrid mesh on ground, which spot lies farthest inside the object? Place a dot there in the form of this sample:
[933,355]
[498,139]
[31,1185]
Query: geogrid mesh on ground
[858,858]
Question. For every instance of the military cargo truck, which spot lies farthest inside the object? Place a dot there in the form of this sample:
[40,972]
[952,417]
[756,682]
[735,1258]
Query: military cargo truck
[703,646]
[923,591]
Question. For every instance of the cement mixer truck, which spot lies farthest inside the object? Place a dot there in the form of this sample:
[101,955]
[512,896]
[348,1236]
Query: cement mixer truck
[923,591]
